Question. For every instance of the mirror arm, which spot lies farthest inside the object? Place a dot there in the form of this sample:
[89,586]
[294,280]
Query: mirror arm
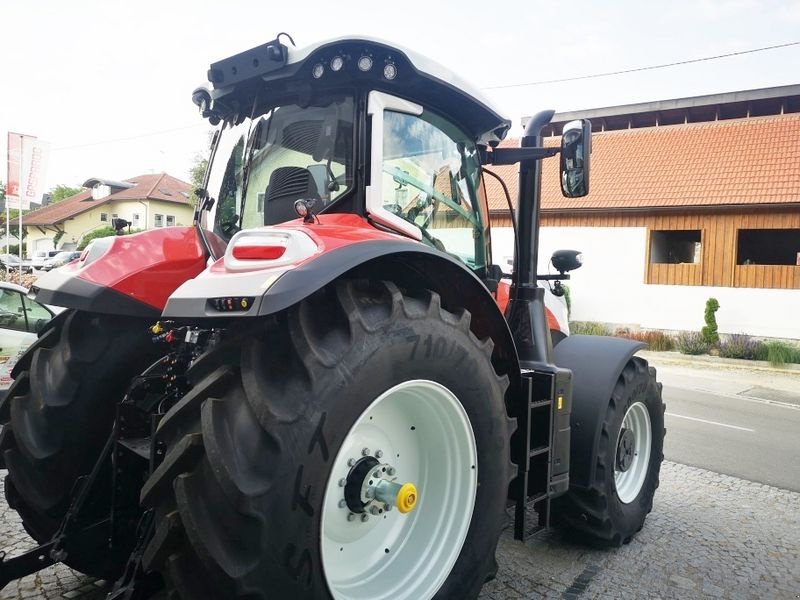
[551,277]
[510,156]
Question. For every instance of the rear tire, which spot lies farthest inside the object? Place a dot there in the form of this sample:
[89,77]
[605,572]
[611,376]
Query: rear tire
[248,496]
[57,417]
[628,462]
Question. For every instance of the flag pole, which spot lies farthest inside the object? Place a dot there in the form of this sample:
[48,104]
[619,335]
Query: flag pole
[21,191]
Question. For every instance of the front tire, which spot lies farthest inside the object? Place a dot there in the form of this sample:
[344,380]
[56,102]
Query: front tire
[254,497]
[56,418]
[628,462]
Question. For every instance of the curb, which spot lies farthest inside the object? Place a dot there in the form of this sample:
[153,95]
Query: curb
[677,358]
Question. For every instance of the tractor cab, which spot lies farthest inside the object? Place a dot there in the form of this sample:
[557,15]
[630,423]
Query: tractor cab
[349,126]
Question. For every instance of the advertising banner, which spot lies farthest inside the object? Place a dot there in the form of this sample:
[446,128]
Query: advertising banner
[27,163]
[13,180]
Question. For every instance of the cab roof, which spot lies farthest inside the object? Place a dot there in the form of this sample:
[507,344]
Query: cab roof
[284,70]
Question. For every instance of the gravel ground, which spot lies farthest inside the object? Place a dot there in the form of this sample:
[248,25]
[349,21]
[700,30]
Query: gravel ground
[709,536]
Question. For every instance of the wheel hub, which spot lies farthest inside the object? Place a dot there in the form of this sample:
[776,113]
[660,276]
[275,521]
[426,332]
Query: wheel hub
[625,450]
[372,487]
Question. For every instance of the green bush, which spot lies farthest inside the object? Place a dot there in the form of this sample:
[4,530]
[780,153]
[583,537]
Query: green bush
[709,332]
[101,233]
[588,328]
[780,353]
[568,300]
[691,342]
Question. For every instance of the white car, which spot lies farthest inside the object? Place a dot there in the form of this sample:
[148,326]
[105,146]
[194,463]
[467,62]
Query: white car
[21,320]
[40,256]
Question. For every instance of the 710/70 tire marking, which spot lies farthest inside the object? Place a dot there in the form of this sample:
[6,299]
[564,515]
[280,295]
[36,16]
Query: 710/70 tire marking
[710,422]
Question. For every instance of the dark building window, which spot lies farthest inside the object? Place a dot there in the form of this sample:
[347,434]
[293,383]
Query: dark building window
[768,247]
[674,247]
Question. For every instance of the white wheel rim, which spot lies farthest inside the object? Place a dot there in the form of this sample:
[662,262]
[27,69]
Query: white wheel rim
[395,555]
[629,481]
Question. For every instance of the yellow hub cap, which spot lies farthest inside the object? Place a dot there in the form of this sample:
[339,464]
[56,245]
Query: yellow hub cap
[407,498]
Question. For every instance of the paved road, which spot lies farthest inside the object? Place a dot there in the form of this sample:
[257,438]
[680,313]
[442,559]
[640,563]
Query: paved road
[709,536]
[741,424]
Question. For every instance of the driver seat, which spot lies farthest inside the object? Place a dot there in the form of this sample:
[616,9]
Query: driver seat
[286,186]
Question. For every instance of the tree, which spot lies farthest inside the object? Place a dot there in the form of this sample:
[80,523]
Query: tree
[62,191]
[196,174]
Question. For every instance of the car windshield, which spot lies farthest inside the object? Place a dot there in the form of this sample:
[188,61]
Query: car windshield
[263,165]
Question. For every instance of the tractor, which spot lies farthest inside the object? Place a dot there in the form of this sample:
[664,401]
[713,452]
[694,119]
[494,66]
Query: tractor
[325,388]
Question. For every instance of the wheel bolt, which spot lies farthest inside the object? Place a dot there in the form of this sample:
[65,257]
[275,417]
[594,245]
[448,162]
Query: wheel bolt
[390,471]
[364,517]
[342,482]
[375,510]
[351,517]
[342,503]
[378,453]
[376,474]
[370,493]
[365,452]
[351,462]
[387,507]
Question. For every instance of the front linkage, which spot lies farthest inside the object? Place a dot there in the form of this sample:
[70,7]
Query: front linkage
[130,449]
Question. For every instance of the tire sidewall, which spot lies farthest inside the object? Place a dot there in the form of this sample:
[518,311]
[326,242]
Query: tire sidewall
[408,349]
[629,517]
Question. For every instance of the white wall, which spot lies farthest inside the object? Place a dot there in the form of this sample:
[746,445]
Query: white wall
[610,287]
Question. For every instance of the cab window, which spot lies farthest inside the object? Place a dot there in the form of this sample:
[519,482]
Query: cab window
[430,179]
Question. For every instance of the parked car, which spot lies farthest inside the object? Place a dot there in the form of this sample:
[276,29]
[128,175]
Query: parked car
[21,319]
[11,262]
[42,255]
[60,259]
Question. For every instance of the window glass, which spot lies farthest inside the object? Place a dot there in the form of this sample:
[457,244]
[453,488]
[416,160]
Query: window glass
[38,315]
[170,220]
[262,166]
[159,220]
[103,217]
[675,247]
[430,179]
[12,314]
[768,247]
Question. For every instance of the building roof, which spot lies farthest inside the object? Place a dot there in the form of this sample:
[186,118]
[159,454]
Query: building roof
[740,162]
[761,102]
[159,186]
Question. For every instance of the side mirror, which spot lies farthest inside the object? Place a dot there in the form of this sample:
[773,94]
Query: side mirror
[576,149]
[566,260]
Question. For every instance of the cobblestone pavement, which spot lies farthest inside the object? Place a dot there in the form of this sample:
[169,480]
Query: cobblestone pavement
[709,536]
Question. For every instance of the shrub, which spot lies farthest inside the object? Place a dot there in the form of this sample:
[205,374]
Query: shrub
[588,328]
[656,340]
[691,342]
[780,353]
[709,332]
[740,345]
[568,300]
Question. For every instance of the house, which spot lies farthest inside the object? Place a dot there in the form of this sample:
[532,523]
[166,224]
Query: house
[147,201]
[689,199]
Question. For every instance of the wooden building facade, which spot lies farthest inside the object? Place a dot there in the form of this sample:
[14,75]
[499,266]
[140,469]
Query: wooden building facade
[717,188]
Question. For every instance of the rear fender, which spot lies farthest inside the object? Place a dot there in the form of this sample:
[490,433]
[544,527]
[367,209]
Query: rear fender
[409,264]
[126,275]
[596,363]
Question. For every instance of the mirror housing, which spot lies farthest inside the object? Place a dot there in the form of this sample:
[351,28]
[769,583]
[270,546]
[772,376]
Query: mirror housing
[567,260]
[576,150]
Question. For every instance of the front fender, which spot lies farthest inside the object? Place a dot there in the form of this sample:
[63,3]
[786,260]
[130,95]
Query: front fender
[126,275]
[596,363]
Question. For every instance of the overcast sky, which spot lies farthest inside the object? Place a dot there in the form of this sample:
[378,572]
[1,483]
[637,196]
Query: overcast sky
[108,82]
